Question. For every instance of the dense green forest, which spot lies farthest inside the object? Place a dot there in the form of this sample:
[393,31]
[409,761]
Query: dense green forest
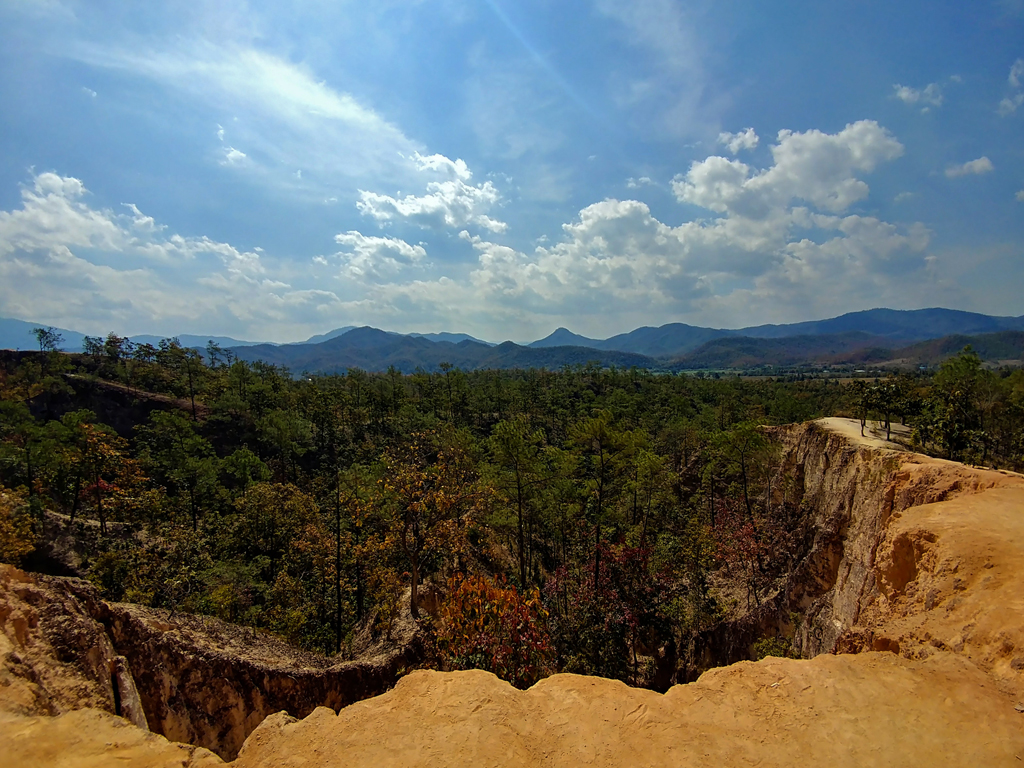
[575,520]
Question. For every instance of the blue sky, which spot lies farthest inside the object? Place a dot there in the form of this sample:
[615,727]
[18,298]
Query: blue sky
[274,170]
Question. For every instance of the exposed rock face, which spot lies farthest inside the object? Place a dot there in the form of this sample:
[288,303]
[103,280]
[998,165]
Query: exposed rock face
[196,680]
[210,683]
[898,541]
[913,572]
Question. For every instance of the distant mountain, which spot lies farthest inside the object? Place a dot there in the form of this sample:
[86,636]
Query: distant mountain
[665,341]
[326,336]
[566,338]
[375,350]
[199,342]
[454,338]
[1001,347]
[678,339]
[17,334]
[740,352]
[866,336]
[905,325]
[747,352]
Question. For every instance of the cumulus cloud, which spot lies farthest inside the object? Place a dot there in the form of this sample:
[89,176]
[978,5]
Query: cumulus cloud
[1020,196]
[776,242]
[972,167]
[782,243]
[643,181]
[450,203]
[67,262]
[233,156]
[764,245]
[930,95]
[1011,103]
[813,166]
[374,257]
[745,139]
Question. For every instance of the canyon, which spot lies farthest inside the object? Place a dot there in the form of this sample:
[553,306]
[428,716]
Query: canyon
[907,608]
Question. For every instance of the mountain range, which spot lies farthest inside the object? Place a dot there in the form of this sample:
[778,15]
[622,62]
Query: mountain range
[871,336]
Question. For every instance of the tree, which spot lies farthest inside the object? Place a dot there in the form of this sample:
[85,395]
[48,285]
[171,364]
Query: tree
[431,490]
[486,624]
[16,536]
[602,470]
[953,416]
[92,346]
[114,481]
[182,460]
[49,339]
[188,363]
[516,453]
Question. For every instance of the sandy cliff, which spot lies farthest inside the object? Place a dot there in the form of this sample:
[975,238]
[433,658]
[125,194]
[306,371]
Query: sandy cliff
[909,597]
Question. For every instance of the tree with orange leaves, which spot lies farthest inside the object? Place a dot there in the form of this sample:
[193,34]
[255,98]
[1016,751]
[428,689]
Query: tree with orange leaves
[488,624]
[431,489]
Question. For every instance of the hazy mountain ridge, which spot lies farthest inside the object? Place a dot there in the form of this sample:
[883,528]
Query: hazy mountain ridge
[675,340]
[376,350]
[923,336]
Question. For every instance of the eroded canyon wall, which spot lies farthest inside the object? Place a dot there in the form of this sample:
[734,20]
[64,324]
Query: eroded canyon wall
[192,679]
[901,556]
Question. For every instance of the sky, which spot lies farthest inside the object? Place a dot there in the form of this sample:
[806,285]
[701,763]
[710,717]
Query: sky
[270,171]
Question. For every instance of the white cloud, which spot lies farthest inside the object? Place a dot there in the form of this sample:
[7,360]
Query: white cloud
[1011,104]
[643,181]
[778,256]
[745,139]
[1016,76]
[931,94]
[66,262]
[617,254]
[374,257]
[1020,196]
[813,166]
[972,167]
[280,110]
[782,243]
[233,156]
[453,168]
[89,92]
[450,203]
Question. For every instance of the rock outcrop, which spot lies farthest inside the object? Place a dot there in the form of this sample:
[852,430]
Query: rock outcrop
[196,680]
[909,596]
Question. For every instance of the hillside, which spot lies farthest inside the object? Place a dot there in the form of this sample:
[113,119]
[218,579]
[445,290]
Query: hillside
[744,352]
[898,326]
[1004,346]
[374,350]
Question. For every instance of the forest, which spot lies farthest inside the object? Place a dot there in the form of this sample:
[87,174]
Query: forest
[577,520]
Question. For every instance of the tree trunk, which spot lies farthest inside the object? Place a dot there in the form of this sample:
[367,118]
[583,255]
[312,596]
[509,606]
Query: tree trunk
[522,537]
[337,571]
[99,506]
[414,591]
